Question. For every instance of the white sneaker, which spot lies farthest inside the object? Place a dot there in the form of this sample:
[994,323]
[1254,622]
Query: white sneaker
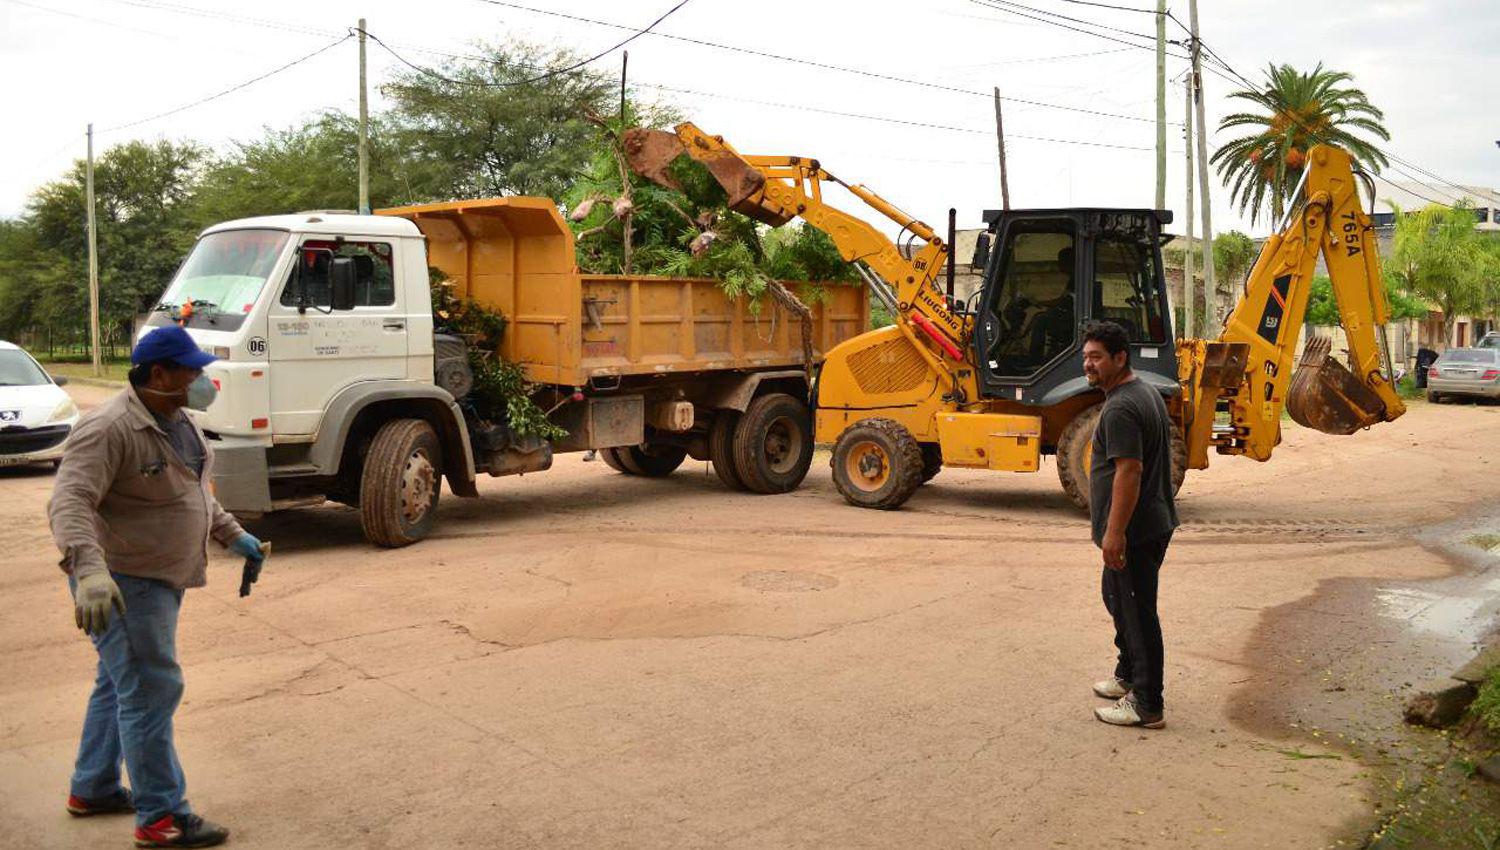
[1111,688]
[1127,713]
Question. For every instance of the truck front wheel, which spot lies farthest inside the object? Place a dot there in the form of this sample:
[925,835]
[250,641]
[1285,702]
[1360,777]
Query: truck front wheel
[398,487]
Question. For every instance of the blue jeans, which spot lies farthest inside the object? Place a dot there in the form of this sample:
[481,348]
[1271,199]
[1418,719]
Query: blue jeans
[130,712]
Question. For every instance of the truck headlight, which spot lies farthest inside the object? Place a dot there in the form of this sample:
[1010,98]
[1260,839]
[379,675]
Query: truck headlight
[65,409]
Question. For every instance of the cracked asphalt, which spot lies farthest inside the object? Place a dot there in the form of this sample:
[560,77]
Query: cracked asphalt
[582,659]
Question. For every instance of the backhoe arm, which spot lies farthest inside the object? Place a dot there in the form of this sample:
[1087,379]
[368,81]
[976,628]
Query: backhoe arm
[1261,334]
[776,189]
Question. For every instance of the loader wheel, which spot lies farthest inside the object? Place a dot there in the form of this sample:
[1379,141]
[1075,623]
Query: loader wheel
[1075,450]
[773,444]
[652,460]
[877,464]
[932,461]
[398,487]
[1075,455]
[721,448]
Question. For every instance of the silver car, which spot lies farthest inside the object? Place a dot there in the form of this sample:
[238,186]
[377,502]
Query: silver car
[1472,372]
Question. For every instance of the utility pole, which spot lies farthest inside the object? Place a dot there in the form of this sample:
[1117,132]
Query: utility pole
[1000,136]
[624,68]
[1189,289]
[93,260]
[1161,104]
[1210,292]
[364,129]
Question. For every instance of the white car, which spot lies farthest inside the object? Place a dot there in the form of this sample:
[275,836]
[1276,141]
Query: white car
[36,416]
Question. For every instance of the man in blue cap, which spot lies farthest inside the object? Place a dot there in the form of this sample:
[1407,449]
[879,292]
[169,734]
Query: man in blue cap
[132,512]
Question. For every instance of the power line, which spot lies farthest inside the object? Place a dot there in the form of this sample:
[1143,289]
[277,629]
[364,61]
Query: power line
[77,16]
[812,63]
[229,90]
[552,73]
[1112,6]
[1008,6]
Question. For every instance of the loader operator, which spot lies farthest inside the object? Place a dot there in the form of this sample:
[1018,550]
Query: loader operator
[132,513]
[1130,500]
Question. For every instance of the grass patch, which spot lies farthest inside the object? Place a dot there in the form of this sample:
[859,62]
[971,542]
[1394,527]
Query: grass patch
[113,370]
[1484,541]
[1298,754]
[1486,707]
[1407,388]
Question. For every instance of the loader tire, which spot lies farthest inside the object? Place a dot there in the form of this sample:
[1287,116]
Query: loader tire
[653,460]
[1075,451]
[721,448]
[932,461]
[773,444]
[877,464]
[400,482]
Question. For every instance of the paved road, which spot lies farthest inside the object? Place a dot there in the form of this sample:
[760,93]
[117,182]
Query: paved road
[580,659]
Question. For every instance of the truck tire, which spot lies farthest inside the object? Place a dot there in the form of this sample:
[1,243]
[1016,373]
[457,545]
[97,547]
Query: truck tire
[652,460]
[773,444]
[932,461]
[877,464]
[721,448]
[614,461]
[1075,451]
[399,484]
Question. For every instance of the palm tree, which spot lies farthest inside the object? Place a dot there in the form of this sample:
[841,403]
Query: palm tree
[1300,110]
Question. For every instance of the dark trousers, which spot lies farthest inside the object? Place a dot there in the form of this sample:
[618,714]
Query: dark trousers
[1130,598]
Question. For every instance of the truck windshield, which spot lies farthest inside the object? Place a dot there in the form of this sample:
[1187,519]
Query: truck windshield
[220,280]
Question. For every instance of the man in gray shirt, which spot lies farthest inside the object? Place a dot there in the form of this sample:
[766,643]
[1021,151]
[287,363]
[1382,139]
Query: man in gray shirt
[1133,514]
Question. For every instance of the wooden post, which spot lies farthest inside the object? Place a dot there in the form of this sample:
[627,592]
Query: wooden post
[1000,137]
[1190,295]
[1161,104]
[364,129]
[93,226]
[1210,292]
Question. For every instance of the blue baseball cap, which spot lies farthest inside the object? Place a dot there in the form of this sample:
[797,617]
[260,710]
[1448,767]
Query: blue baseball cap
[173,344]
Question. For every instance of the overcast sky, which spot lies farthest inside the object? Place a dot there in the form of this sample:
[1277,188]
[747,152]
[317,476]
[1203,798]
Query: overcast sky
[1432,66]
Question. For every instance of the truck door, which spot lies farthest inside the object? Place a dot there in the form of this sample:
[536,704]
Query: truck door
[315,351]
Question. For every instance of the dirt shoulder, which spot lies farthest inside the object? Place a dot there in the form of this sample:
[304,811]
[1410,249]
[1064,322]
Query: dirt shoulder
[584,659]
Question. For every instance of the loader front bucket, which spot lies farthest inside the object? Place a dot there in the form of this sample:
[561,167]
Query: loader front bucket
[651,153]
[1326,397]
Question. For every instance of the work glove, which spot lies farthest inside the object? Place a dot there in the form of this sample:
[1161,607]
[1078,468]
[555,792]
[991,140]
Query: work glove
[255,553]
[94,600]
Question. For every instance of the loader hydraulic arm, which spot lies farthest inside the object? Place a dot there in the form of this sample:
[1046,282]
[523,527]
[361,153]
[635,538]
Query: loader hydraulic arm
[776,189]
[1261,334]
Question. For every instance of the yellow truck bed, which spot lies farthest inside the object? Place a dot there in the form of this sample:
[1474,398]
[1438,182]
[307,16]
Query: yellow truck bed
[516,255]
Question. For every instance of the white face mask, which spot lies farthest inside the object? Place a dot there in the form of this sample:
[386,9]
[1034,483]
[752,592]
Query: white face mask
[201,393]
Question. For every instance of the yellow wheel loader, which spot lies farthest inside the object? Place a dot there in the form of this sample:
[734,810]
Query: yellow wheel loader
[997,383]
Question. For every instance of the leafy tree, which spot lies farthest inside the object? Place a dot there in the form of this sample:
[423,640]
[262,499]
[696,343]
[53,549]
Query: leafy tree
[1323,309]
[488,126]
[1298,110]
[142,190]
[1234,252]
[1437,254]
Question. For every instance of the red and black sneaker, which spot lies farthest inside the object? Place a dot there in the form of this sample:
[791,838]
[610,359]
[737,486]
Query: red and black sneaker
[180,831]
[118,803]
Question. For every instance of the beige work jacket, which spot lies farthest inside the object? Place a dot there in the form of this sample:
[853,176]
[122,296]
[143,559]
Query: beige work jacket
[124,501]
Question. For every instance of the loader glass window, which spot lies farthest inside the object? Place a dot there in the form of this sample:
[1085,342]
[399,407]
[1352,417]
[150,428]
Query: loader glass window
[1127,288]
[1033,317]
[374,276]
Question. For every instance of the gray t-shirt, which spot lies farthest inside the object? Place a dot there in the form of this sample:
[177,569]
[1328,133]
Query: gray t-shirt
[1134,424]
[184,441]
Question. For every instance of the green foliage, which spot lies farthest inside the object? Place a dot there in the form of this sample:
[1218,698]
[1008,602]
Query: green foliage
[1234,252]
[1486,706]
[1323,308]
[1438,255]
[1297,110]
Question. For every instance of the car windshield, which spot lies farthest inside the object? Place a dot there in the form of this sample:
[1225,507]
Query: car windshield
[17,369]
[220,280]
[1468,355]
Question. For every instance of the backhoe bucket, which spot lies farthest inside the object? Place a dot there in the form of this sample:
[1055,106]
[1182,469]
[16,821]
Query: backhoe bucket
[1326,397]
[651,153]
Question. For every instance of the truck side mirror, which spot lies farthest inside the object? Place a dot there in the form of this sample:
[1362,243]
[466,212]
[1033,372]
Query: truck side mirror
[981,250]
[341,275]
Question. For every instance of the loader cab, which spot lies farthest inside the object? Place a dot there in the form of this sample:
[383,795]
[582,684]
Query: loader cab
[1050,272]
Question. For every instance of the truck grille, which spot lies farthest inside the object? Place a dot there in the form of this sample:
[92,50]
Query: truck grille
[16,440]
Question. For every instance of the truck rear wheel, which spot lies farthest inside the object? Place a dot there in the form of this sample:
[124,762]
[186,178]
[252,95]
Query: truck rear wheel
[1075,454]
[932,461]
[877,464]
[614,461]
[652,460]
[399,485]
[721,448]
[773,444]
